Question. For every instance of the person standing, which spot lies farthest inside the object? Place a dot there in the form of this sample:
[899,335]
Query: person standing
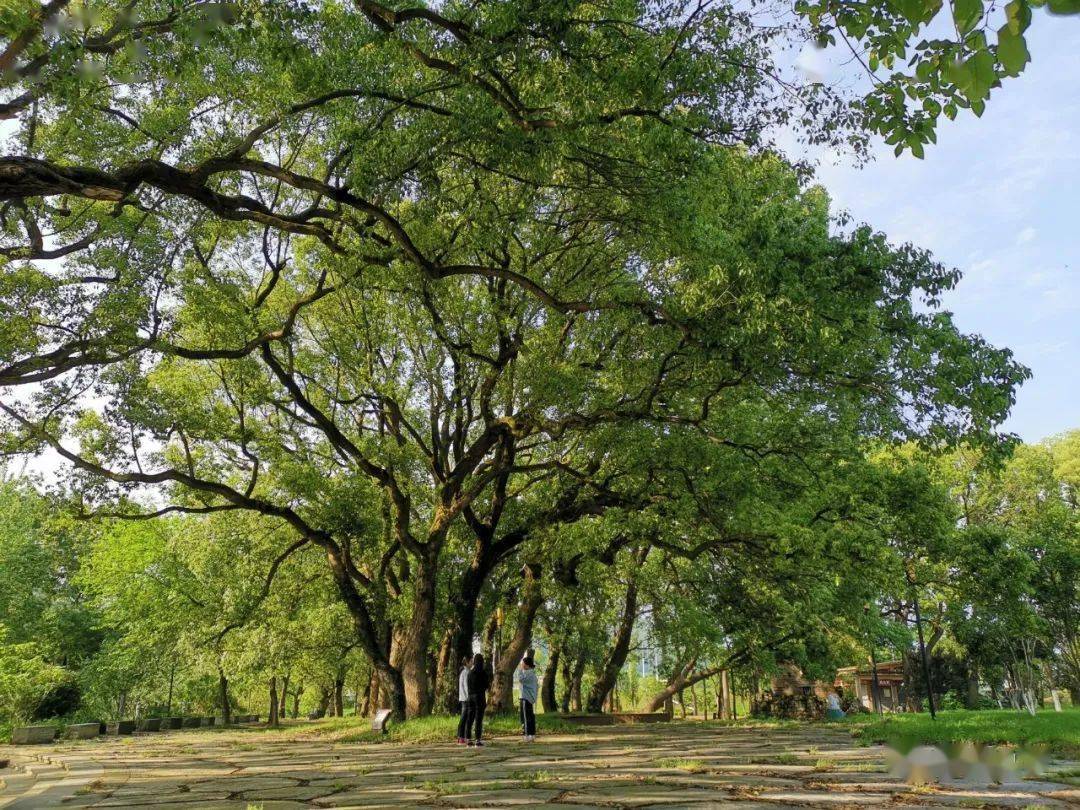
[478,682]
[463,701]
[528,686]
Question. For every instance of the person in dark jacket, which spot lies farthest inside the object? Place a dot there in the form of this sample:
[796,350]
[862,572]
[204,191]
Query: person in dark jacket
[478,681]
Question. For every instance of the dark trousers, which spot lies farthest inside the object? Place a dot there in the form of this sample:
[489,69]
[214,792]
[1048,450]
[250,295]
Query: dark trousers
[528,718]
[462,725]
[474,721]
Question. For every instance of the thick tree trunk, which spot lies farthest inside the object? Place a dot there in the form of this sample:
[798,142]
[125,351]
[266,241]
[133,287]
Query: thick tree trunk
[575,684]
[411,651]
[296,702]
[324,702]
[972,698]
[547,685]
[609,673]
[272,717]
[531,598]
[223,697]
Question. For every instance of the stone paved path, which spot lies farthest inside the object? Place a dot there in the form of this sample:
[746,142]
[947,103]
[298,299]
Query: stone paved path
[692,766]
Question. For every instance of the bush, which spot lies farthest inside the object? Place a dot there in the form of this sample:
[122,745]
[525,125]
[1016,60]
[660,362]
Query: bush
[30,686]
[60,701]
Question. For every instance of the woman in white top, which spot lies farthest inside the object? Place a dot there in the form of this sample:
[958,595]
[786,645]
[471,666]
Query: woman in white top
[463,699]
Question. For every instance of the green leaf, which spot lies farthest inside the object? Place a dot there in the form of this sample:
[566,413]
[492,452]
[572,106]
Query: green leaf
[1012,51]
[983,75]
[1018,16]
[966,13]
[1064,6]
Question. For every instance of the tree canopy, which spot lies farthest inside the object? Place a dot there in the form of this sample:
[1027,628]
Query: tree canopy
[369,336]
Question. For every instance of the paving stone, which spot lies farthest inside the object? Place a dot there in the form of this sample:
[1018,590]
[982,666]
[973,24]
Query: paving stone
[501,798]
[806,797]
[634,794]
[397,797]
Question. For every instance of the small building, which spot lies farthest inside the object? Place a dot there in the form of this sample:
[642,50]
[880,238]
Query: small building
[859,681]
[790,681]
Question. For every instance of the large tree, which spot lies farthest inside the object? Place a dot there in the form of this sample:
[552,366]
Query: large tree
[421,319]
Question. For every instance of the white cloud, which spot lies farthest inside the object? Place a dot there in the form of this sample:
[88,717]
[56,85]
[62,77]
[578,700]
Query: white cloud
[1025,235]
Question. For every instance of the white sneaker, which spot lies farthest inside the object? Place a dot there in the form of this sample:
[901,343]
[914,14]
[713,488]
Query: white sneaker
[530,738]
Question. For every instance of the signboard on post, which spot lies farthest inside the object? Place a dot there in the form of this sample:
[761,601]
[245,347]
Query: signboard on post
[381,720]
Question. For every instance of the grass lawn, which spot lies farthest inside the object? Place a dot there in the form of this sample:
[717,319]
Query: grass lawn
[1057,732]
[437,728]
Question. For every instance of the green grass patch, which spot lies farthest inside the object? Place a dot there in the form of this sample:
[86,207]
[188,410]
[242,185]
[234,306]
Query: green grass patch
[1055,732]
[436,728]
[678,763]
[529,779]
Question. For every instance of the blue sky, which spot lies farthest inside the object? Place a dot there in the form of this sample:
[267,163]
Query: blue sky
[999,198]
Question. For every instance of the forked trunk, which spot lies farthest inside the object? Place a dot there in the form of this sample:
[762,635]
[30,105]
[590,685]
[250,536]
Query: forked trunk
[609,673]
[411,651]
[531,597]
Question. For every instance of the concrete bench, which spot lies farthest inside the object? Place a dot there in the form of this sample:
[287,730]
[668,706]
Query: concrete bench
[207,721]
[192,722]
[150,724]
[120,727]
[33,735]
[82,731]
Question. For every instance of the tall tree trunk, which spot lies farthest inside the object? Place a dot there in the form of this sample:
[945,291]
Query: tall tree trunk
[172,678]
[282,701]
[446,672]
[491,635]
[272,719]
[972,698]
[223,697]
[547,685]
[531,598]
[324,701]
[463,610]
[296,701]
[575,683]
[924,654]
[339,694]
[609,673]
[567,677]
